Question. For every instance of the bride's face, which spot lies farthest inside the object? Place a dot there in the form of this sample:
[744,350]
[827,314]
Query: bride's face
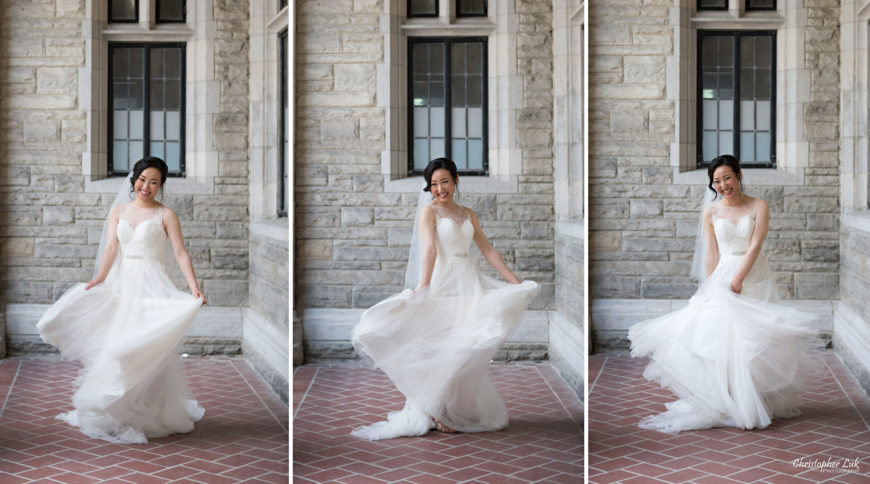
[442,186]
[148,184]
[726,182]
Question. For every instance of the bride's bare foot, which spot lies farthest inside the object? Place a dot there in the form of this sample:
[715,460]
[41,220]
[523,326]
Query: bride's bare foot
[439,426]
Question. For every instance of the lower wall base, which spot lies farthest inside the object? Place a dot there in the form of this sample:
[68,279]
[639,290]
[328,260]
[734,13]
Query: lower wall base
[609,319]
[326,336]
[215,331]
[852,343]
[266,347]
[567,351]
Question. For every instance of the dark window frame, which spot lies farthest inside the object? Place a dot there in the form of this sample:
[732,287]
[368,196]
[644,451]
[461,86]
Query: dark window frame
[699,8]
[283,72]
[123,21]
[485,13]
[448,116]
[699,127]
[146,148]
[750,8]
[157,14]
[422,15]
[282,4]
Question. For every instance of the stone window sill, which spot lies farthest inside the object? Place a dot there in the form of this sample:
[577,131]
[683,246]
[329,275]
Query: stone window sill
[857,220]
[751,176]
[727,20]
[175,186]
[277,229]
[467,184]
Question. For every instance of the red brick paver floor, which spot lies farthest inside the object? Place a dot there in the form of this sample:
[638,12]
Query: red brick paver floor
[832,435]
[242,437]
[543,443]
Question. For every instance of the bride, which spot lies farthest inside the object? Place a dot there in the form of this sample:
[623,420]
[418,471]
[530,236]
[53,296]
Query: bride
[125,324]
[435,342]
[731,355]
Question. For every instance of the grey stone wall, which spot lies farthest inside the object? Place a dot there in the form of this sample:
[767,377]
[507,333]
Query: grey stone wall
[351,236]
[643,224]
[854,274]
[269,282]
[49,225]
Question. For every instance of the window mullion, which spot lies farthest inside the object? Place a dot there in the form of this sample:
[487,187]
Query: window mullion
[737,95]
[448,111]
[146,118]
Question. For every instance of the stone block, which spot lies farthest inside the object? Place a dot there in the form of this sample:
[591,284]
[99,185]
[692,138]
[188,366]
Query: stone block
[809,285]
[42,131]
[356,216]
[58,215]
[641,208]
[629,122]
[354,77]
[55,80]
[16,247]
[339,129]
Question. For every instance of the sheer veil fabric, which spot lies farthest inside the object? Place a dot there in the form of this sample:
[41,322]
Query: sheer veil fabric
[126,333]
[436,345]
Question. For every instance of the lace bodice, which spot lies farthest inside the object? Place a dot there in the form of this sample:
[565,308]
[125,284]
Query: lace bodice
[144,241]
[453,238]
[733,238]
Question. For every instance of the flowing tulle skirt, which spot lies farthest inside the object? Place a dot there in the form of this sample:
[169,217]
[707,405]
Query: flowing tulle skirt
[732,359]
[126,333]
[436,347]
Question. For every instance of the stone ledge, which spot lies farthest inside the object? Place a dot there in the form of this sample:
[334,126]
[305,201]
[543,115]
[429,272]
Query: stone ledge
[215,330]
[856,220]
[609,319]
[326,335]
[852,342]
[269,342]
[567,350]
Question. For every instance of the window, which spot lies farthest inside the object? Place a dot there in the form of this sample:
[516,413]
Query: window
[282,4]
[146,96]
[448,98]
[723,4]
[471,8]
[284,157]
[736,90]
[126,11]
[423,8]
[760,4]
[170,11]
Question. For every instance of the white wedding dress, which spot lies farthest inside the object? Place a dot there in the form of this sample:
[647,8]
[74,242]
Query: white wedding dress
[436,346]
[126,333]
[732,359]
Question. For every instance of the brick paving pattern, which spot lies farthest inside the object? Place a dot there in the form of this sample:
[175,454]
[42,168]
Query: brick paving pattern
[242,437]
[833,428]
[543,442]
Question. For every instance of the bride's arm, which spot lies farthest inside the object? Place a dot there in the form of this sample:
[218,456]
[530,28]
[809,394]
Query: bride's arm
[489,252]
[427,241]
[711,259]
[762,221]
[173,229]
[111,249]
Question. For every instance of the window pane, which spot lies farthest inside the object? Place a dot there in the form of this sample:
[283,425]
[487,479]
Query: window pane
[421,122]
[760,4]
[711,115]
[712,4]
[128,101]
[747,115]
[173,156]
[475,122]
[475,154]
[460,155]
[762,147]
[726,113]
[457,121]
[157,149]
[436,147]
[710,144]
[123,11]
[762,116]
[423,8]
[421,153]
[747,146]
[436,122]
[470,8]
[173,125]
[170,10]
